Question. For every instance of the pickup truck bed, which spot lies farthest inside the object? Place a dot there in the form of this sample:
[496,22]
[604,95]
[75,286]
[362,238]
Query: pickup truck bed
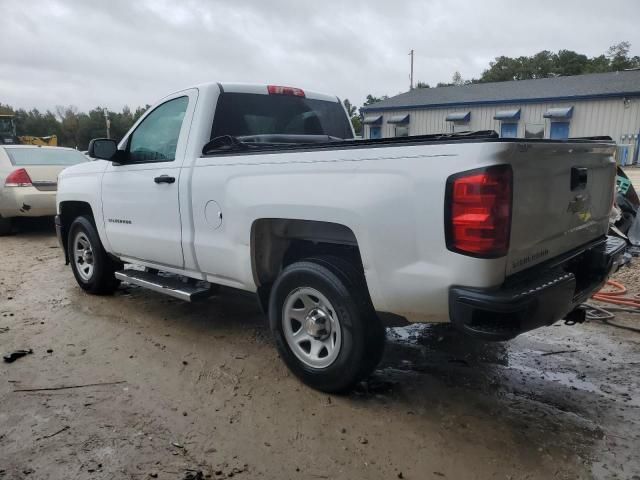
[264,189]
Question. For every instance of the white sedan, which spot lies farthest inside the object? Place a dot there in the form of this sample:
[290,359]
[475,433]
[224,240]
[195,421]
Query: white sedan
[29,180]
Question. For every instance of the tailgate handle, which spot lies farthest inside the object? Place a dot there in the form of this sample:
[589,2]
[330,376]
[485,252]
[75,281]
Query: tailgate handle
[578,178]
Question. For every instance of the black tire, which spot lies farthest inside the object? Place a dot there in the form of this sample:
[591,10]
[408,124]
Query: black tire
[376,332]
[362,334]
[102,280]
[5,226]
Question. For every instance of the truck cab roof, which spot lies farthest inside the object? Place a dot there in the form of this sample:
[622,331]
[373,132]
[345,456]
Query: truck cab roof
[260,89]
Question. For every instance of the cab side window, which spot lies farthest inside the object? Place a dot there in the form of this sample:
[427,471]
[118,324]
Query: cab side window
[156,138]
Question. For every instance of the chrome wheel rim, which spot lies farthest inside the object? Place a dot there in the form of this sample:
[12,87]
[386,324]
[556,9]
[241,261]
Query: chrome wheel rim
[83,256]
[311,327]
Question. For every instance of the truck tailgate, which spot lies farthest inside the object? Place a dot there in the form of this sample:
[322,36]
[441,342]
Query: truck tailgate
[562,195]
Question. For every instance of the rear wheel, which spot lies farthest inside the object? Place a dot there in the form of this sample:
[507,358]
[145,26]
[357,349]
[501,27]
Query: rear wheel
[5,226]
[93,268]
[324,325]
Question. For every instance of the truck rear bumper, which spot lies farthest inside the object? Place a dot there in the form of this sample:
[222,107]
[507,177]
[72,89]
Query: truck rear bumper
[536,297]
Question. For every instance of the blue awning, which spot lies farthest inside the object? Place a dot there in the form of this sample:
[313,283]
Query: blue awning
[565,112]
[399,119]
[372,120]
[507,115]
[459,117]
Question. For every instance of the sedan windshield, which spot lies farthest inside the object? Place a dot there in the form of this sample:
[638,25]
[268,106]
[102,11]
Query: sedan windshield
[44,156]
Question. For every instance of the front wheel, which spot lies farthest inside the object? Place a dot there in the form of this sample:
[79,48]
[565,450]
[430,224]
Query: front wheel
[324,325]
[93,268]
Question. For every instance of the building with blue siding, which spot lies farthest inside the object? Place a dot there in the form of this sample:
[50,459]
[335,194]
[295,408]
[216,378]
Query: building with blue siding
[599,104]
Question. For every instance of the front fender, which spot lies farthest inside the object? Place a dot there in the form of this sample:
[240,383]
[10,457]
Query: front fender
[83,183]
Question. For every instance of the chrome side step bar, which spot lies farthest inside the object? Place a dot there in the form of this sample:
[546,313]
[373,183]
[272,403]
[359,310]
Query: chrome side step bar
[171,285]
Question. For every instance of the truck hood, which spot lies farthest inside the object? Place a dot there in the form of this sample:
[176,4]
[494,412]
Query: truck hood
[97,166]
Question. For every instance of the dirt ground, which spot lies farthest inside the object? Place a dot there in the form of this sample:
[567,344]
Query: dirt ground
[200,387]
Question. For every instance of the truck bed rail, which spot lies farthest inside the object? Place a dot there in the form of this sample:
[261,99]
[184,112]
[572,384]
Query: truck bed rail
[217,147]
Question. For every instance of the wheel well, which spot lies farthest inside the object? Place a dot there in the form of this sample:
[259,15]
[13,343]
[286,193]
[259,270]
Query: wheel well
[69,211]
[278,242]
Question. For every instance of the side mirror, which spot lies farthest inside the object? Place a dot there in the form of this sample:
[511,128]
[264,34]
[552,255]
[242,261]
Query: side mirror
[102,148]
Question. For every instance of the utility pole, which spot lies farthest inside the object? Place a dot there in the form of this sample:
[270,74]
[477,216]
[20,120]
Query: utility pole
[411,76]
[107,122]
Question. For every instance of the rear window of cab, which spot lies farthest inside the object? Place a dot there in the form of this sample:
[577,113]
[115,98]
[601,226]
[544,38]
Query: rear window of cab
[240,114]
[44,156]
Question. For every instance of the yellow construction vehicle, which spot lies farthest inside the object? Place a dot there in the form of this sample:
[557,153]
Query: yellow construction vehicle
[50,140]
[7,130]
[8,135]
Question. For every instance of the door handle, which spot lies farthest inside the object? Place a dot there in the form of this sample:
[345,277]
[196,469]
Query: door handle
[164,179]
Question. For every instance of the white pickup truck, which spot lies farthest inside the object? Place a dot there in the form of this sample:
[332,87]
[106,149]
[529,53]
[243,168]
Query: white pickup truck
[263,188]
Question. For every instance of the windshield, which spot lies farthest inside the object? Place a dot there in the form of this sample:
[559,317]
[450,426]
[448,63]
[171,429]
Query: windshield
[44,156]
[6,125]
[242,114]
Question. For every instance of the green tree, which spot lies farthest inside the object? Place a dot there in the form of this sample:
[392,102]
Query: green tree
[370,100]
[546,64]
[69,125]
[457,81]
[356,121]
[619,59]
[35,123]
[73,128]
[599,64]
[502,69]
[422,85]
[568,62]
[350,108]
[540,65]
[352,111]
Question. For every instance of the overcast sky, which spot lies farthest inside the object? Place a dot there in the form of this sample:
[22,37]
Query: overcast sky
[132,52]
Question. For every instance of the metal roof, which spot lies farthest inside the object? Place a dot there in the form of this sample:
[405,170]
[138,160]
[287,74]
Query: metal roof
[613,84]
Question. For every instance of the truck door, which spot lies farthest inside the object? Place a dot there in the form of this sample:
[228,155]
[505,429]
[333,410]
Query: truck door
[140,196]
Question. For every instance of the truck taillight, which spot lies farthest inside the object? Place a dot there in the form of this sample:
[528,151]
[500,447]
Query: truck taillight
[478,212]
[280,90]
[18,178]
